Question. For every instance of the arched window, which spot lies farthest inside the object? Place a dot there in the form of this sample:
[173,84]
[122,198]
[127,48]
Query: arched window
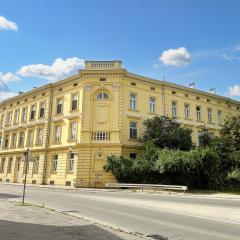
[102,95]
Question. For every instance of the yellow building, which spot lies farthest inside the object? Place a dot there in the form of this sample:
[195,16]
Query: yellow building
[71,126]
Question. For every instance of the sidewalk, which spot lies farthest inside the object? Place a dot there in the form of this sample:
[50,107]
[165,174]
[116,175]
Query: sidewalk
[213,195]
[32,222]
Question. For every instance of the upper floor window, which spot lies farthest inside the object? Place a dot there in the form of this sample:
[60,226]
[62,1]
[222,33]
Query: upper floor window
[21,138]
[9,118]
[33,112]
[30,137]
[40,136]
[133,130]
[209,115]
[152,104]
[219,117]
[58,130]
[14,140]
[198,113]
[73,130]
[174,109]
[54,163]
[2,119]
[24,114]
[133,101]
[6,143]
[74,102]
[16,117]
[186,110]
[42,110]
[102,95]
[59,105]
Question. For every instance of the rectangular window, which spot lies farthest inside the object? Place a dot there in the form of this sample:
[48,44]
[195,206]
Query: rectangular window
[9,118]
[40,136]
[30,137]
[59,105]
[10,163]
[133,155]
[209,115]
[74,102]
[3,160]
[16,117]
[58,130]
[6,143]
[219,117]
[152,104]
[174,109]
[33,112]
[54,163]
[73,131]
[36,165]
[71,162]
[198,112]
[2,120]
[42,110]
[133,130]
[133,101]
[24,114]
[21,139]
[186,110]
[14,140]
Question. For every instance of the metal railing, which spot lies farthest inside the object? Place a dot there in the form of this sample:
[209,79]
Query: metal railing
[130,186]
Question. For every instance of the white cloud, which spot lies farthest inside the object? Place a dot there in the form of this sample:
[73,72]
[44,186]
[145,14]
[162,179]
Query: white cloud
[6,94]
[7,25]
[234,91]
[236,49]
[8,77]
[176,57]
[59,68]
[229,57]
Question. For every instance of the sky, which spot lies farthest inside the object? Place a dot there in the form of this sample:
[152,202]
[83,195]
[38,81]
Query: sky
[185,41]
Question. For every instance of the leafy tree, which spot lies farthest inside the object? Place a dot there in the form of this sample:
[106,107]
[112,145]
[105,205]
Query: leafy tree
[166,132]
[229,143]
[207,139]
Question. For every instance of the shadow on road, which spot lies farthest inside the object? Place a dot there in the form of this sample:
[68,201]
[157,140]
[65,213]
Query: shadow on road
[26,231]
[6,195]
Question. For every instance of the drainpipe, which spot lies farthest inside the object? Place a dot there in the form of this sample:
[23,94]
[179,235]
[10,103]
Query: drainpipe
[48,137]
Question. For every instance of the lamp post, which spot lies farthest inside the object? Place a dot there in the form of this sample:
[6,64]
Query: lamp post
[26,158]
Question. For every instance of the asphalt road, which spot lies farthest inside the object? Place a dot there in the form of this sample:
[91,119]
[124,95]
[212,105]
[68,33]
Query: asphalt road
[175,217]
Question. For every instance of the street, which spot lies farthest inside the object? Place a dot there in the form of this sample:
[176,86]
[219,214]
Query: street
[172,216]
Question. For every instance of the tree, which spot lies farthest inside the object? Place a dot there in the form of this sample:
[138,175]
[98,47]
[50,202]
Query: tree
[166,132]
[207,139]
[229,143]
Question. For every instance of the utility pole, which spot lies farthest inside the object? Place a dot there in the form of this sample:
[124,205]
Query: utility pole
[26,156]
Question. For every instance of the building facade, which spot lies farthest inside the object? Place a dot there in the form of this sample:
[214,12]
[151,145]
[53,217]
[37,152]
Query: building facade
[71,126]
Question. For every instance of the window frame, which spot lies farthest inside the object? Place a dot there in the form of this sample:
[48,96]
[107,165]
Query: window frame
[132,101]
[57,105]
[72,101]
[133,131]
[153,104]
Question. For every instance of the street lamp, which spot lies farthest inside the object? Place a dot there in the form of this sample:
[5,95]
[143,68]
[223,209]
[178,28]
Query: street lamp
[27,156]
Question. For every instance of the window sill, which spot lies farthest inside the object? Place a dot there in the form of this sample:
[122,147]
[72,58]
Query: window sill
[38,145]
[133,139]
[152,113]
[189,119]
[133,110]
[72,141]
[57,143]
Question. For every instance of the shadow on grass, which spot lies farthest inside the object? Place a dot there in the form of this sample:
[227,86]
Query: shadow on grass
[27,231]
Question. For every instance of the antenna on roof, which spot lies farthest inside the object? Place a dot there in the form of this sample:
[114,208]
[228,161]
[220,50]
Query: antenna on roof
[163,77]
[212,90]
[192,85]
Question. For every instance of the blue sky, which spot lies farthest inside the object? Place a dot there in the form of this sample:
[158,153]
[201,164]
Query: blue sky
[44,40]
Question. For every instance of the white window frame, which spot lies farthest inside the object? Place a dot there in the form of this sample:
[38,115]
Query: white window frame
[133,101]
[174,108]
[152,104]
